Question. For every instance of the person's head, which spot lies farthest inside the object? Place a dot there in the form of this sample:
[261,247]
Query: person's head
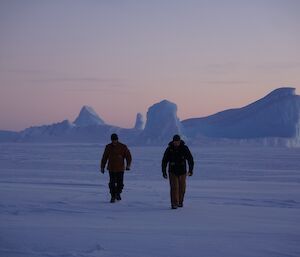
[114,138]
[176,140]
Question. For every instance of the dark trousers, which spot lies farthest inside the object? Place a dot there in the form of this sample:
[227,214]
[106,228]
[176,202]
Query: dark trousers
[116,182]
[177,186]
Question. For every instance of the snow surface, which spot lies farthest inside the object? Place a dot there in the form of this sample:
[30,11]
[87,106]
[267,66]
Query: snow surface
[240,202]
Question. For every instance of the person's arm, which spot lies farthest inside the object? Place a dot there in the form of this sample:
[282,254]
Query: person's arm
[128,158]
[190,160]
[104,159]
[164,163]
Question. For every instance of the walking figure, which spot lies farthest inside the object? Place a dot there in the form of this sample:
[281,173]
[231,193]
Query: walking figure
[176,155]
[116,153]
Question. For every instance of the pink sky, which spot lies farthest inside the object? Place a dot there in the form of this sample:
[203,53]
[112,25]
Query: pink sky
[120,57]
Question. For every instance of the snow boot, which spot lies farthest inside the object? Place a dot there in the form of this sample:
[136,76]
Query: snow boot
[118,197]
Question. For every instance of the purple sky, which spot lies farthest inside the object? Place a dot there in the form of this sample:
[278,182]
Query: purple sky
[122,56]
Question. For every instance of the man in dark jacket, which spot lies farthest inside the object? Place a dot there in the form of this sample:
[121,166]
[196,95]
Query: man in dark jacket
[176,156]
[116,153]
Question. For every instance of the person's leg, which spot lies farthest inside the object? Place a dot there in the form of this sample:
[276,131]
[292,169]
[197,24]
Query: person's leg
[112,185]
[120,184]
[174,191]
[182,186]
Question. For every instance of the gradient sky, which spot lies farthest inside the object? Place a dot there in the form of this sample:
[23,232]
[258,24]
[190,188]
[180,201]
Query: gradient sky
[120,57]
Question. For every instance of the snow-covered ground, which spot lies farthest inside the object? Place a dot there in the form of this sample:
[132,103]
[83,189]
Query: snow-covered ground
[240,202]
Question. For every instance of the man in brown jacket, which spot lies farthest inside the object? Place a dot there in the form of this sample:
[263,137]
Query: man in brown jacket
[115,153]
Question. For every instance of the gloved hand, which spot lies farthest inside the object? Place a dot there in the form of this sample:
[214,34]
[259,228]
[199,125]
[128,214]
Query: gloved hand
[127,168]
[165,175]
[102,170]
[190,173]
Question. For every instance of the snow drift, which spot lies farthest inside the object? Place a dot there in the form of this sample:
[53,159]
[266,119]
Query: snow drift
[275,115]
[274,119]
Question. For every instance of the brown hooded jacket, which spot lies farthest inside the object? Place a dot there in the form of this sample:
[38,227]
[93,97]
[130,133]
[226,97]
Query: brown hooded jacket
[116,154]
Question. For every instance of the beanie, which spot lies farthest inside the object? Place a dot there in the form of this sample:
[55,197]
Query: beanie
[176,138]
[114,136]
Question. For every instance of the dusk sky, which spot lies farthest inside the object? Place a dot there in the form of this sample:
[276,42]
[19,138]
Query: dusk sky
[120,57]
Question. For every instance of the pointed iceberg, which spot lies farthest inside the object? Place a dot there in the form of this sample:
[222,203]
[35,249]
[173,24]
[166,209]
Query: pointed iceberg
[88,117]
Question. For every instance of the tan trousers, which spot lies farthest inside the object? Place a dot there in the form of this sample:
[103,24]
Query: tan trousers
[177,188]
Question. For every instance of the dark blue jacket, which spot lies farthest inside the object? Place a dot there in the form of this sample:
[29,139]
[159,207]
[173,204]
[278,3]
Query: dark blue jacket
[177,157]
